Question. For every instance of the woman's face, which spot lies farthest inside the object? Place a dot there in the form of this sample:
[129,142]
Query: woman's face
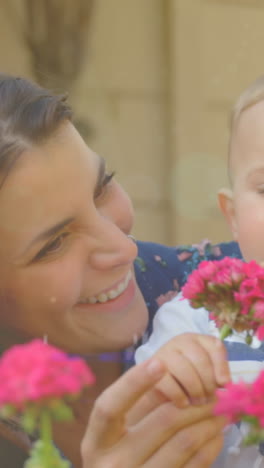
[66,263]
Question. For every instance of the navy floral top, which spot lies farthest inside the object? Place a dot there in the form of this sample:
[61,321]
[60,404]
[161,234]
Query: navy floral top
[161,271]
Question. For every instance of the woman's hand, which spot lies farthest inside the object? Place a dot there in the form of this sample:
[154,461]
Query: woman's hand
[197,365]
[162,436]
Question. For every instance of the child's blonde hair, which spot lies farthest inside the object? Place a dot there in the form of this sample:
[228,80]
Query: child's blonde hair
[253,94]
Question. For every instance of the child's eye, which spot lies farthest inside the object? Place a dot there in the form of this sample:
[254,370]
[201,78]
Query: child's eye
[52,247]
[105,181]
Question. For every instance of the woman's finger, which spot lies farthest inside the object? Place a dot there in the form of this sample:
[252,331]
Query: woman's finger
[156,429]
[147,403]
[207,454]
[106,423]
[189,445]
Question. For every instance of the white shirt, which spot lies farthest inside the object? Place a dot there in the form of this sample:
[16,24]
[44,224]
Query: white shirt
[176,317]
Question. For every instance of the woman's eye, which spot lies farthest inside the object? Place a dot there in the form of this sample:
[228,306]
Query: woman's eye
[260,191]
[52,247]
[103,184]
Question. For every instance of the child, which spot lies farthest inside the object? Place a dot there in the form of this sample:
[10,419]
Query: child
[243,207]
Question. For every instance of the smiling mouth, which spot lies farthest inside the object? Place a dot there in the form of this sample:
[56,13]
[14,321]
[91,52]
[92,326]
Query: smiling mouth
[110,295]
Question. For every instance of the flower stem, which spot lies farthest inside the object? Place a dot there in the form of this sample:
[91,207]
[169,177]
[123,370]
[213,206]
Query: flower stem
[46,431]
[225,331]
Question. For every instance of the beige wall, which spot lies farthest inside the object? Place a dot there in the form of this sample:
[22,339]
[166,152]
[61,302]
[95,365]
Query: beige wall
[216,50]
[157,86]
[123,92]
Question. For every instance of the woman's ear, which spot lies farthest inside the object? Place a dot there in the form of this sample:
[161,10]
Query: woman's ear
[226,204]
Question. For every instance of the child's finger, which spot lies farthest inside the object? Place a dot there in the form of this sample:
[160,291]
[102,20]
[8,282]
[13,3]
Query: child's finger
[218,356]
[184,382]
[197,354]
[208,356]
[173,390]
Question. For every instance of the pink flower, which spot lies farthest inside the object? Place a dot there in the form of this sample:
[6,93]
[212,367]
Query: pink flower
[232,291]
[242,401]
[208,270]
[259,309]
[35,372]
[260,332]
[232,401]
[194,287]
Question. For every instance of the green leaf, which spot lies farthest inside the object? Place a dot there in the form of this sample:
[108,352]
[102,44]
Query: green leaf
[42,456]
[225,331]
[248,339]
[250,419]
[254,437]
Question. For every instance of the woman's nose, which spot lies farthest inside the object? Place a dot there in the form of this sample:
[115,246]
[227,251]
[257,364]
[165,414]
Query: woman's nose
[112,247]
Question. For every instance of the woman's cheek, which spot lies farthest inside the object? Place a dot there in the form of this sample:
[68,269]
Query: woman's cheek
[69,286]
[57,283]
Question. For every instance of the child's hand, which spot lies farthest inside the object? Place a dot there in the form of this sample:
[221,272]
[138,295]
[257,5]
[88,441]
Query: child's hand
[197,365]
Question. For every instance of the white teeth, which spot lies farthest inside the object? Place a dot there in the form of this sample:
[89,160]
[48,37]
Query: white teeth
[91,300]
[121,287]
[102,297]
[112,294]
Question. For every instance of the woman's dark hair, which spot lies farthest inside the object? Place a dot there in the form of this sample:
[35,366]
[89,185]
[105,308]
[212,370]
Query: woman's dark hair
[28,115]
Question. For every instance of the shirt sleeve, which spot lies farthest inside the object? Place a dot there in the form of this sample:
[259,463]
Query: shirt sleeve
[173,318]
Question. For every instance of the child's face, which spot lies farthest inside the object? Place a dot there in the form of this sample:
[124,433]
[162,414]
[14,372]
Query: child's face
[243,206]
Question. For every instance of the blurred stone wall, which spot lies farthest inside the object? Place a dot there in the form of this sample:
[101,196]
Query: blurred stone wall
[216,51]
[123,93]
[159,79]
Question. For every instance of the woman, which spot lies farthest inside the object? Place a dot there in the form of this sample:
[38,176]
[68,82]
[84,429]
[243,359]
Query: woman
[66,268]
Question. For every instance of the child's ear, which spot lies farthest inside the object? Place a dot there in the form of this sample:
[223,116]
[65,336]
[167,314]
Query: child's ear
[226,204]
